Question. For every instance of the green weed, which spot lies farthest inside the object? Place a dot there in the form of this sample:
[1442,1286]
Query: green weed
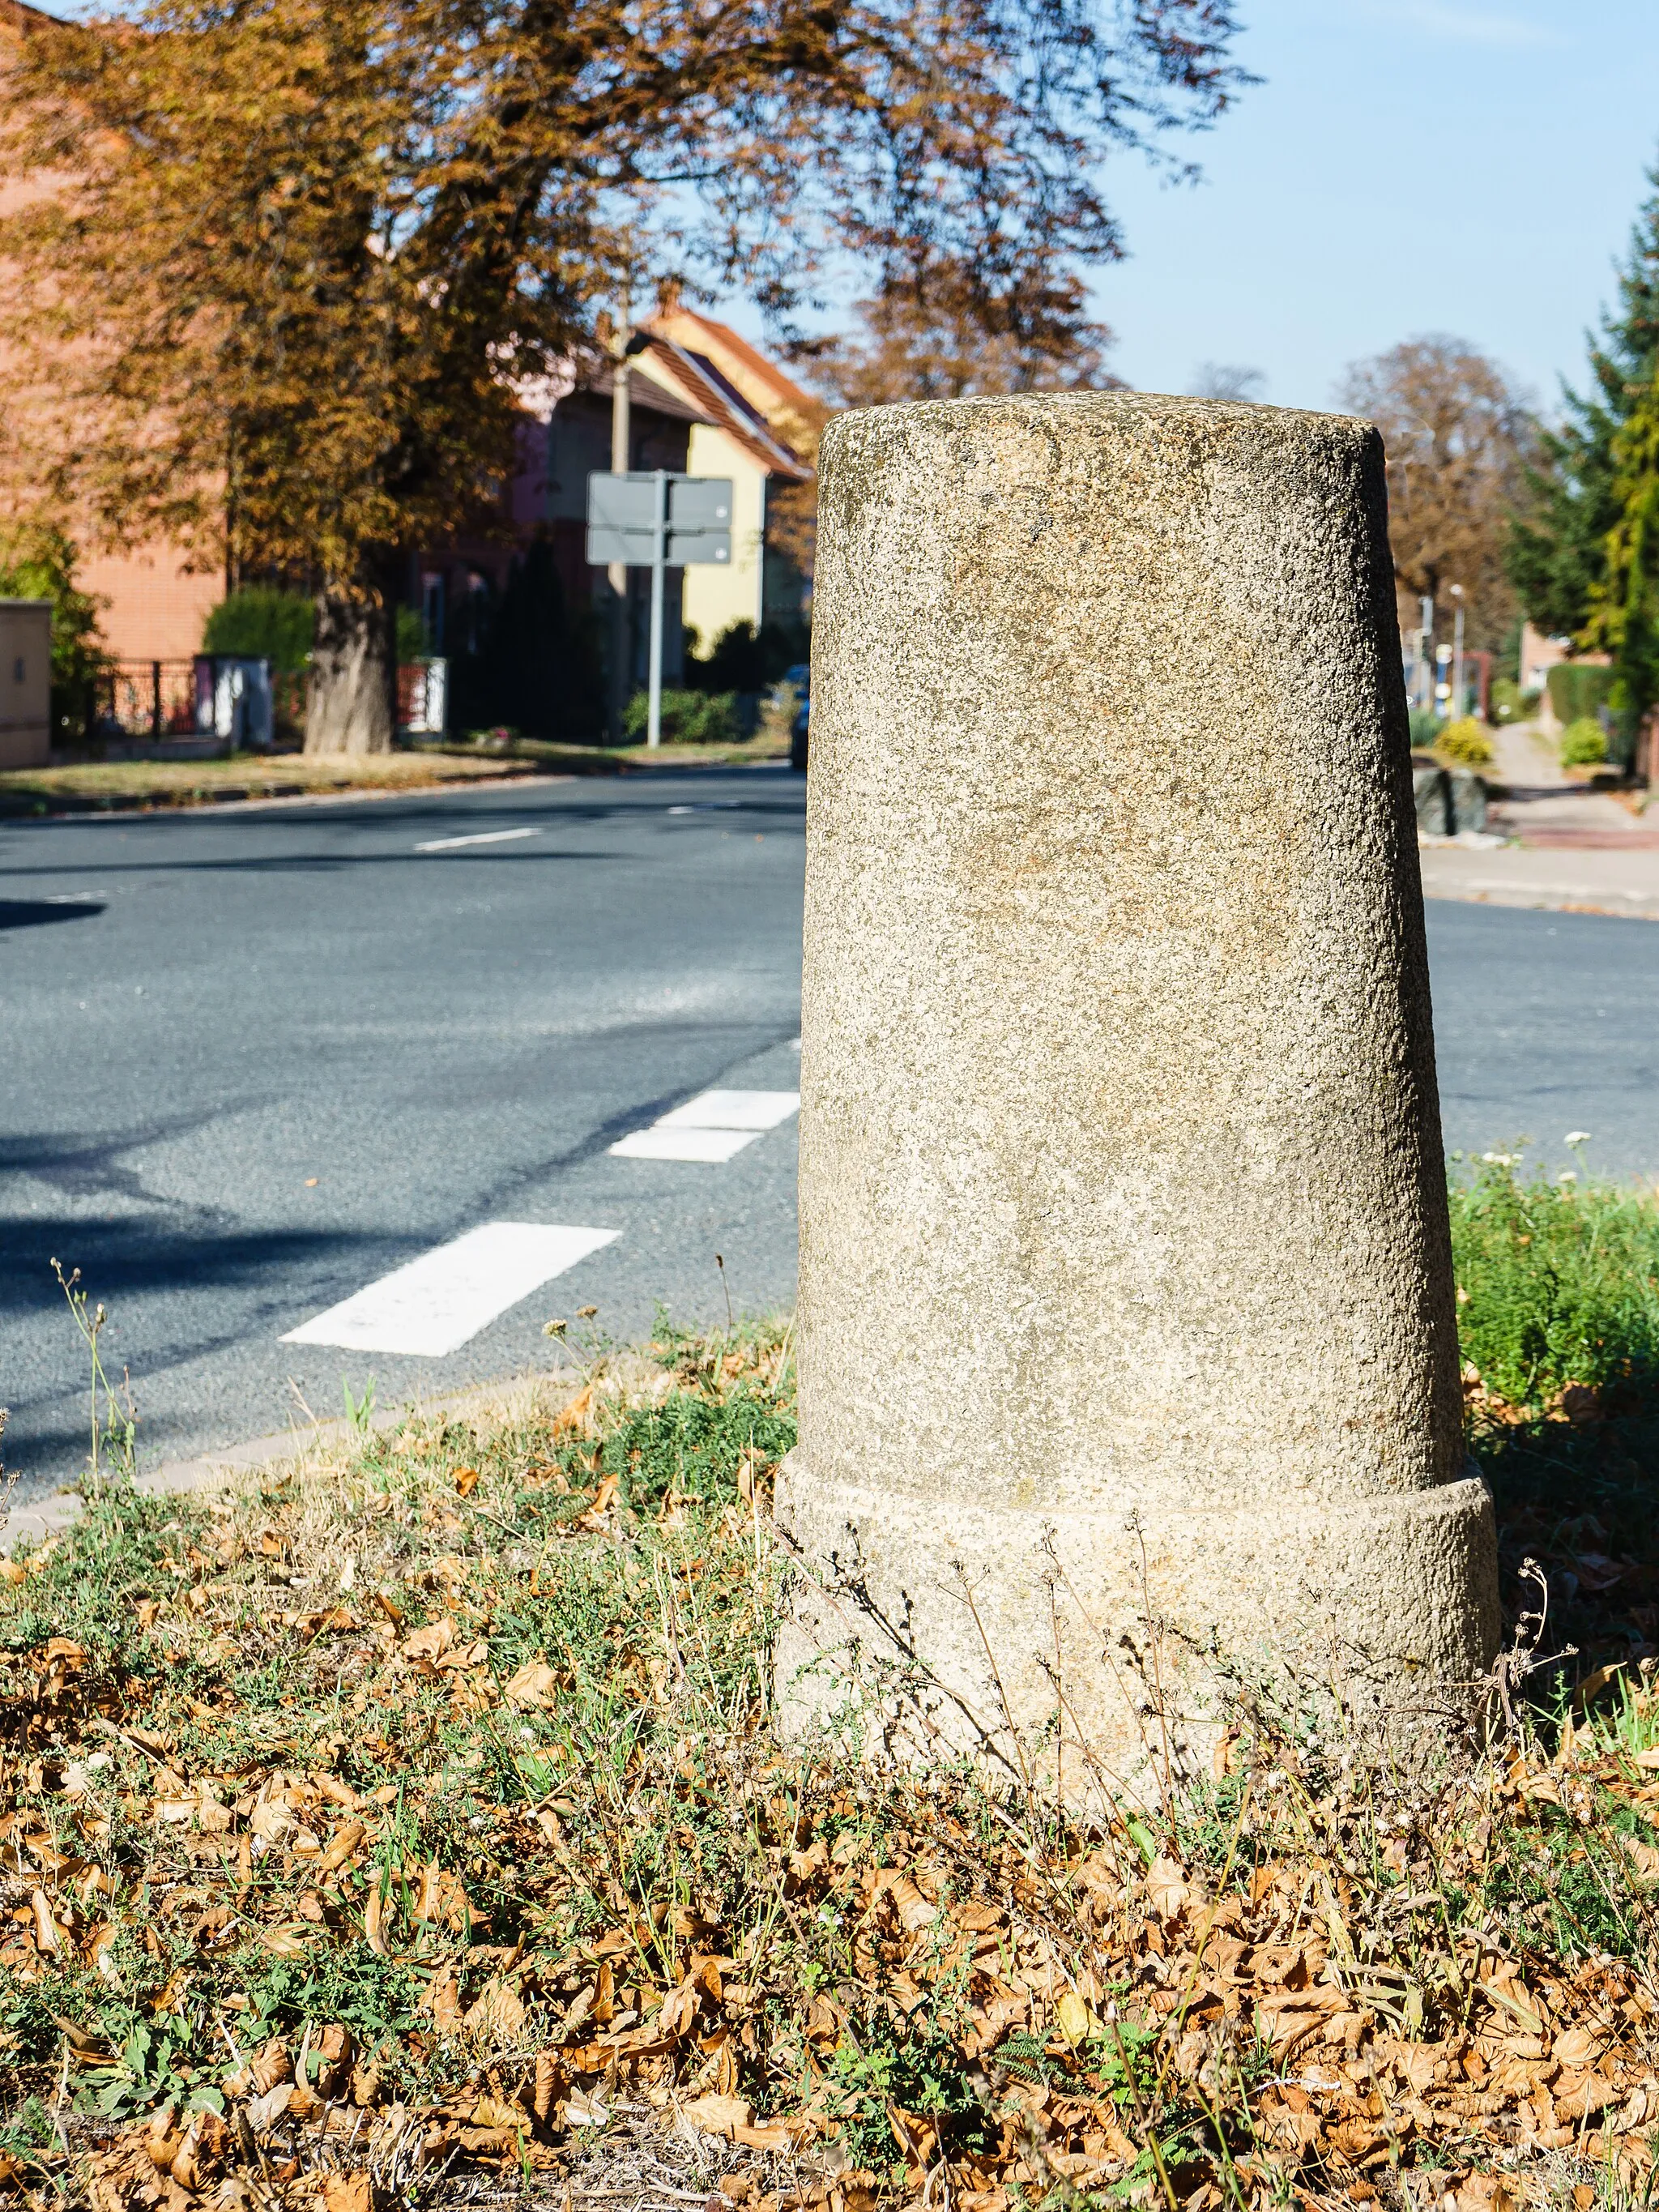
[1558,1282]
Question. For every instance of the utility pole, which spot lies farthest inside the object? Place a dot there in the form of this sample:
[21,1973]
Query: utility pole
[659,550]
[1457,653]
[621,669]
[1425,651]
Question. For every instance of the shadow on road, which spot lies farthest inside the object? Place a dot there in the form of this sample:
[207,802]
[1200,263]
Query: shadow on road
[29,913]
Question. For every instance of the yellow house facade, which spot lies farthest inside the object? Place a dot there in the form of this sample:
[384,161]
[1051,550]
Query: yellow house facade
[744,407]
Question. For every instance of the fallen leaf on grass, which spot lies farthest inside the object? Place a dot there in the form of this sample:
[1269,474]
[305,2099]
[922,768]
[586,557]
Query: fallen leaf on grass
[265,2112]
[533,1685]
[718,2116]
[430,1642]
[498,2013]
[342,1844]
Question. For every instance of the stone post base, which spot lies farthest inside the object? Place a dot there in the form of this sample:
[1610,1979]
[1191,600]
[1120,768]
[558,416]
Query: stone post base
[1100,1619]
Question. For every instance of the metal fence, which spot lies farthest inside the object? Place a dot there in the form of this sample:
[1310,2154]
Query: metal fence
[149,699]
[156,702]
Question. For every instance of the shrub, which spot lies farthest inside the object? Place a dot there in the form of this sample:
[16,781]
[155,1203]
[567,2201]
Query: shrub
[1465,744]
[1557,1282]
[261,622]
[1582,744]
[1426,728]
[742,659]
[1510,703]
[689,718]
[1577,692]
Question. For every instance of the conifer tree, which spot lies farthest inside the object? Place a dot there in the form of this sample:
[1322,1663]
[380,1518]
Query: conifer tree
[1559,545]
[1623,618]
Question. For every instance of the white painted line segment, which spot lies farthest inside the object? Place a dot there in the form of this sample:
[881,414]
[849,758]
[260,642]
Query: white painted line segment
[662,1143]
[712,1127]
[733,1110]
[481,837]
[439,1301]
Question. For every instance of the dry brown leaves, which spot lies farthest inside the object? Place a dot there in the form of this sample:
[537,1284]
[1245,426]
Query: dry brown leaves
[1293,1987]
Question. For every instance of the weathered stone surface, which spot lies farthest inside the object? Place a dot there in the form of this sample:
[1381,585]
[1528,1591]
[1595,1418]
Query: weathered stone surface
[1469,800]
[1125,1278]
[1431,797]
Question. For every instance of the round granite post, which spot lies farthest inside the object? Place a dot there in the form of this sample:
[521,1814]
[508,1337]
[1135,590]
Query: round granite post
[1125,1278]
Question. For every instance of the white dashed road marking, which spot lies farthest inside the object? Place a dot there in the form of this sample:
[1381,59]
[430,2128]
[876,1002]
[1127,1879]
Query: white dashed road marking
[711,1126]
[437,1303]
[481,837]
[658,1143]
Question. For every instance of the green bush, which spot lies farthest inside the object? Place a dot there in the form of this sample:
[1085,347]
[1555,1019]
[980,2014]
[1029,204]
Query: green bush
[1582,744]
[689,718]
[1465,743]
[743,659]
[1577,693]
[1557,1282]
[1425,729]
[262,623]
[1510,703]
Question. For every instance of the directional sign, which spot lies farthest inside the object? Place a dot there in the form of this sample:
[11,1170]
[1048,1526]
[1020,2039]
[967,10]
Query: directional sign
[622,512]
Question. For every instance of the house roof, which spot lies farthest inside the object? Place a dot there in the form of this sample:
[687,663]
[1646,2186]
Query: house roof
[650,392]
[720,402]
[763,385]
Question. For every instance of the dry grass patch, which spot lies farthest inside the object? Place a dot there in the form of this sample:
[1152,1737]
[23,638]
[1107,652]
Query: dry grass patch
[90,785]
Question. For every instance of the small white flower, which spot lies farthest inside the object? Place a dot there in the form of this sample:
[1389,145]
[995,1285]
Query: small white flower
[1568,1175]
[1577,1137]
[1500,1159]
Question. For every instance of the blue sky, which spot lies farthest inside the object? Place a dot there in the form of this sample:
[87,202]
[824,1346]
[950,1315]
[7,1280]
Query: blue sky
[1405,165]
[1470,166]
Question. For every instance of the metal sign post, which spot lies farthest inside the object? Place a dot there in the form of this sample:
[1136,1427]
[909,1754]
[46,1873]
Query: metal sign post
[654,519]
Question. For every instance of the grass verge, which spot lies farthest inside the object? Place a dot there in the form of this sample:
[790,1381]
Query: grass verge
[99,786]
[621,760]
[418,1816]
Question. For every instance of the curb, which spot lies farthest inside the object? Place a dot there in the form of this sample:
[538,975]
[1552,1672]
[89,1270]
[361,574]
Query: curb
[254,803]
[518,774]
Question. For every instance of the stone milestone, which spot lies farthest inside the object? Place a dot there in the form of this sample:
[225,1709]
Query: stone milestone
[1125,1293]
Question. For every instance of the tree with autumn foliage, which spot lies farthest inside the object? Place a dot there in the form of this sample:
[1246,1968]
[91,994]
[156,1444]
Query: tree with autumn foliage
[1458,438]
[294,265]
[944,333]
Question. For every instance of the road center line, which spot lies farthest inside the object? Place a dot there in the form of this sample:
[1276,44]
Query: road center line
[436,1303]
[481,837]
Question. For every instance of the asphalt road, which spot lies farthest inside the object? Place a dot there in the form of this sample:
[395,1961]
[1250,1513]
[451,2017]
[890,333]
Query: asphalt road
[252,1062]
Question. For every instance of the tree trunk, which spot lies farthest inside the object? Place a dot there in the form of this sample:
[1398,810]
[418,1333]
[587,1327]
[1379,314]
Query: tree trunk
[351,702]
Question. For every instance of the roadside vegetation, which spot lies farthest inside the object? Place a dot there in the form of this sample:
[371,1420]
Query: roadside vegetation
[97,786]
[413,1822]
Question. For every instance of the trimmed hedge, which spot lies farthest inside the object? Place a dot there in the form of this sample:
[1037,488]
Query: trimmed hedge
[1578,693]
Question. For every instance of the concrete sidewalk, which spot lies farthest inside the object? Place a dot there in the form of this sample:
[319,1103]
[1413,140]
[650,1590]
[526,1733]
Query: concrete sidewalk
[1577,879]
[1564,846]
